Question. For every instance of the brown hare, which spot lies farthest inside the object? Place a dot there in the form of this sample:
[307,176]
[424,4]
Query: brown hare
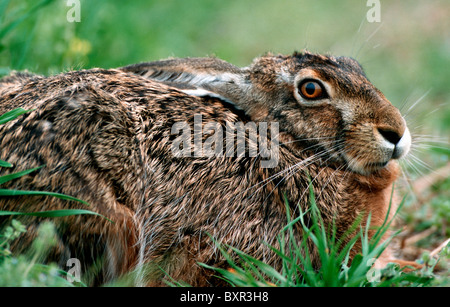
[155,147]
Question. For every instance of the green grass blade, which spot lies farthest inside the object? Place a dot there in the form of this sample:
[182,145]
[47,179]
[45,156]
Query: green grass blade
[8,28]
[52,213]
[6,192]
[13,176]
[3,5]
[233,278]
[441,150]
[8,116]
[263,267]
[5,164]
[63,277]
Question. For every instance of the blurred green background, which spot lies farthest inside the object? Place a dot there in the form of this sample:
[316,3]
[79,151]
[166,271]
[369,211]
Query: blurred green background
[406,55]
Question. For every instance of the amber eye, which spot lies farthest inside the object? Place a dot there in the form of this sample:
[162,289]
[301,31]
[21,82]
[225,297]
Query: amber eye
[310,89]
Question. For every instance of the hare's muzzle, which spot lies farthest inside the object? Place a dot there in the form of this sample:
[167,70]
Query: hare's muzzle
[371,146]
[396,143]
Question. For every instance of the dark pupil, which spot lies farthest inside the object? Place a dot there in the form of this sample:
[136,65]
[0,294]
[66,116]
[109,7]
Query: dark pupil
[310,88]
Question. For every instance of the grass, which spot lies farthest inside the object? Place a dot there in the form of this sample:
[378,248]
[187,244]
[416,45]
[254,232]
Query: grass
[336,269]
[4,118]
[406,56]
[27,269]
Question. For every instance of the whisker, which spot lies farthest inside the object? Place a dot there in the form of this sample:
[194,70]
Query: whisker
[368,39]
[425,140]
[405,174]
[315,177]
[429,136]
[408,167]
[356,37]
[413,167]
[331,177]
[416,103]
[420,162]
[405,101]
[308,139]
[293,171]
[295,165]
[426,147]
[302,163]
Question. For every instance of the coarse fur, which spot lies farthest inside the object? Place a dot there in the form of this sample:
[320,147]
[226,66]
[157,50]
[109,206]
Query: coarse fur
[105,136]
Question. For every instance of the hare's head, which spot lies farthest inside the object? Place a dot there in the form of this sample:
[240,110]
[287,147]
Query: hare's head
[322,101]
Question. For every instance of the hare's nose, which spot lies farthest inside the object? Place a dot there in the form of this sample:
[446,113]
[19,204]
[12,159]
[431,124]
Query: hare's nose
[391,136]
[398,143]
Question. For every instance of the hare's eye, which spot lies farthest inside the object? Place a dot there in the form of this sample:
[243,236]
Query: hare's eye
[312,90]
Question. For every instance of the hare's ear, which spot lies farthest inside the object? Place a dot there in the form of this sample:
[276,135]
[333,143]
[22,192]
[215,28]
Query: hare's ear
[201,77]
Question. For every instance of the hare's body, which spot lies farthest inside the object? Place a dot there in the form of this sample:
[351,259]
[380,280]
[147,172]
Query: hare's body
[106,136]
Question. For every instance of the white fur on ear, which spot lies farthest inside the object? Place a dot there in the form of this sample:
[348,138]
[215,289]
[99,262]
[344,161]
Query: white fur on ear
[191,78]
[201,78]
[199,92]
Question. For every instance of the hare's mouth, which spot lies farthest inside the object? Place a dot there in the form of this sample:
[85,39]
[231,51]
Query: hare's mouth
[375,166]
[365,167]
[368,157]
[366,161]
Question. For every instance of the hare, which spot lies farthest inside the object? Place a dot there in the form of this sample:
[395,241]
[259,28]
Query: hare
[108,137]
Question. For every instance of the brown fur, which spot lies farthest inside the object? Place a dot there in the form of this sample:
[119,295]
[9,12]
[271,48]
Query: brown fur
[105,136]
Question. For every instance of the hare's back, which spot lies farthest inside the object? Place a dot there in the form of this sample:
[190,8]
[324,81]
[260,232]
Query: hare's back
[90,126]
